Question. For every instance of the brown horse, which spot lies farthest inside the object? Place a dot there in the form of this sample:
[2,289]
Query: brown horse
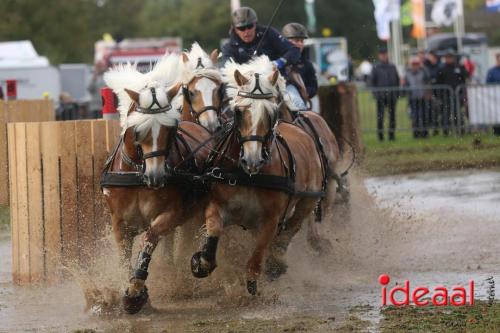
[266,178]
[325,140]
[202,89]
[147,181]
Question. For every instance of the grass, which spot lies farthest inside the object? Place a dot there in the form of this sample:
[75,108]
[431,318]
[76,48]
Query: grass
[478,318]
[406,154]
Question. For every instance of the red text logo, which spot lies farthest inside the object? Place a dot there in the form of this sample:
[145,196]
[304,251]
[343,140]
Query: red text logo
[401,295]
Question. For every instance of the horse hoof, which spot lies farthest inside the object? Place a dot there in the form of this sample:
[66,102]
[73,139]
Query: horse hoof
[200,267]
[252,287]
[133,304]
[275,268]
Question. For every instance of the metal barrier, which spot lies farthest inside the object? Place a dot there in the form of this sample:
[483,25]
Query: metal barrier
[429,109]
[481,105]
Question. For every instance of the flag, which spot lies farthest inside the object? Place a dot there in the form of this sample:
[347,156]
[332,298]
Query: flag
[311,15]
[418,15]
[235,4]
[445,12]
[385,12]
[493,5]
[406,18]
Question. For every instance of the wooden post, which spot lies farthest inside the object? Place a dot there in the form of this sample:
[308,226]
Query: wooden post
[338,106]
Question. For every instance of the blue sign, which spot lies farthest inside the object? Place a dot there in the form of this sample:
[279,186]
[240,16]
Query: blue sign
[493,5]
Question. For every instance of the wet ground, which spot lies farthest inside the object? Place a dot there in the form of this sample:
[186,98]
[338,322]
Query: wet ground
[434,228]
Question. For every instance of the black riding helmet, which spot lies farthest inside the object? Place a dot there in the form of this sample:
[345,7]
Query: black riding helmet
[294,30]
[244,16]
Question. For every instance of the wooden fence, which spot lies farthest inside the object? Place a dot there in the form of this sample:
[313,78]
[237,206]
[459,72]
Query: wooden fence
[18,111]
[57,209]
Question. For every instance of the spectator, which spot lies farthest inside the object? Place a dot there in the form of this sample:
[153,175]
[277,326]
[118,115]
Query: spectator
[384,79]
[493,77]
[453,75]
[494,73]
[68,108]
[94,88]
[416,77]
[432,64]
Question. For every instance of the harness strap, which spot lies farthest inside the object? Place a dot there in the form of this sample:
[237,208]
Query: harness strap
[253,94]
[149,109]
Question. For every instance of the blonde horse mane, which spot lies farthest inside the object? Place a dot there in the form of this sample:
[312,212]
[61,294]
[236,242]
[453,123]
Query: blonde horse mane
[162,77]
[191,68]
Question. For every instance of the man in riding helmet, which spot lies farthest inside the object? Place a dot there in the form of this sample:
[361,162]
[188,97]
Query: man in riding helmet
[296,33]
[246,34]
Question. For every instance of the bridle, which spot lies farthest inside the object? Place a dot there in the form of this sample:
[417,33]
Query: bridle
[187,96]
[162,152]
[266,140]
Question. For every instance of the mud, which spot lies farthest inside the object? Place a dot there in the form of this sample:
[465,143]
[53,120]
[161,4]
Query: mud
[396,227]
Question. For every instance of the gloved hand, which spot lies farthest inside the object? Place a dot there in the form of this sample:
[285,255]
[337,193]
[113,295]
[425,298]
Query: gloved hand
[279,63]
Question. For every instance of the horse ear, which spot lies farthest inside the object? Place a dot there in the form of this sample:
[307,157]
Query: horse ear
[241,80]
[273,78]
[185,57]
[133,95]
[214,56]
[173,91]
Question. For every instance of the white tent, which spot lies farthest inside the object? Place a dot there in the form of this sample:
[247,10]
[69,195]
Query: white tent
[20,54]
[34,75]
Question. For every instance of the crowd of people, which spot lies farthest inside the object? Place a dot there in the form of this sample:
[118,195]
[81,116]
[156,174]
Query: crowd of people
[431,84]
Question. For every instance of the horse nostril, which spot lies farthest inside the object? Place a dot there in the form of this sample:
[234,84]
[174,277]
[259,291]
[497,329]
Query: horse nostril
[244,161]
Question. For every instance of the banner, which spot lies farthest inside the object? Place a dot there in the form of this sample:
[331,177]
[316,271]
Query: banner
[311,15]
[493,5]
[418,15]
[445,12]
[386,11]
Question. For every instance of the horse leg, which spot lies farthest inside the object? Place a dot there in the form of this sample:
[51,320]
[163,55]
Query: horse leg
[204,262]
[254,266]
[136,294]
[124,237]
[275,263]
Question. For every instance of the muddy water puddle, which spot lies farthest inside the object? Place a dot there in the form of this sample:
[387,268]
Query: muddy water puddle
[433,229]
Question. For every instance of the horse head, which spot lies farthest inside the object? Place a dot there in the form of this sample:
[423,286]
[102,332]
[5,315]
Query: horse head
[152,123]
[202,89]
[255,103]
[148,120]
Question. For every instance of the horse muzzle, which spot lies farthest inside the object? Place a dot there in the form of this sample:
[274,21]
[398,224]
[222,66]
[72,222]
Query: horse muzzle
[252,167]
[154,180]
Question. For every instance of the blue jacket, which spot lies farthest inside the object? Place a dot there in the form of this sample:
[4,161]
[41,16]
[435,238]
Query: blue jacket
[308,74]
[493,75]
[274,46]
